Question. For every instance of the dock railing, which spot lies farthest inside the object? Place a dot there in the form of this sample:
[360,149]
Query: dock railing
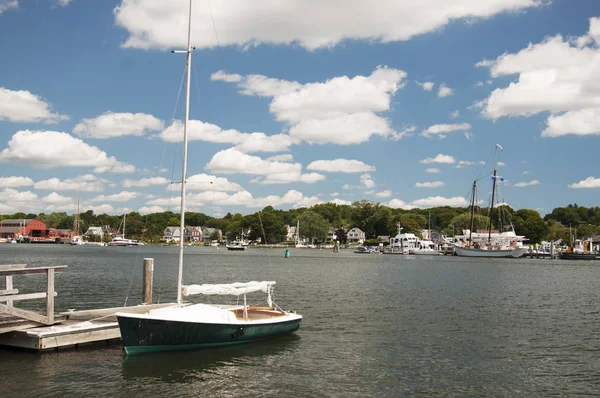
[9,294]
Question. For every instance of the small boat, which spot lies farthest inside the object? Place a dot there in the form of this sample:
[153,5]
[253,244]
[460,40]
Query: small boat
[580,251]
[76,241]
[362,250]
[236,245]
[183,326]
[425,247]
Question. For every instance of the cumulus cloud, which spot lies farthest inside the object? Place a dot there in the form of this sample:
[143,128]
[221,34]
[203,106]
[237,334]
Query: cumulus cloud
[123,196]
[431,184]
[444,91]
[84,183]
[464,163]
[557,75]
[440,158]
[454,115]
[438,201]
[205,182]
[159,24]
[287,157]
[244,142]
[442,130]
[590,182]
[109,125]
[400,204]
[341,110]
[340,166]
[527,184]
[432,170]
[232,161]
[340,202]
[144,182]
[381,194]
[49,149]
[23,106]
[15,182]
[366,182]
[6,5]
[28,202]
[151,209]
[427,86]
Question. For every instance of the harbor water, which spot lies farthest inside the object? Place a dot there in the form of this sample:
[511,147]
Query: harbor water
[374,325]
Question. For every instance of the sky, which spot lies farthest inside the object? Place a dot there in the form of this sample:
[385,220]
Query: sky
[298,102]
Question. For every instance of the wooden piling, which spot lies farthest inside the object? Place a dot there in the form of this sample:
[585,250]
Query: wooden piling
[148,277]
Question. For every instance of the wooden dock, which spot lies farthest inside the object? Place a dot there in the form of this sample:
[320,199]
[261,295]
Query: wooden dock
[77,328]
[31,330]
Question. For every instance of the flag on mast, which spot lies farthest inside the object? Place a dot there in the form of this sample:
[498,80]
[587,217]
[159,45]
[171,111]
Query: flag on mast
[498,146]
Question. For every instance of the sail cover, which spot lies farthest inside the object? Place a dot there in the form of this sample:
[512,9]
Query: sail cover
[232,289]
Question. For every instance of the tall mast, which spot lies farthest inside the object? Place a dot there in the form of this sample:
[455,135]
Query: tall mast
[493,193]
[472,213]
[77,222]
[188,66]
[124,219]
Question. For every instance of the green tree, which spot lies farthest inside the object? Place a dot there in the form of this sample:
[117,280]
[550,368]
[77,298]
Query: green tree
[313,226]
[530,224]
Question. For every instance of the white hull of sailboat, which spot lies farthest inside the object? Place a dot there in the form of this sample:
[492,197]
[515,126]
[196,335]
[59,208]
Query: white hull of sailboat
[424,252]
[470,252]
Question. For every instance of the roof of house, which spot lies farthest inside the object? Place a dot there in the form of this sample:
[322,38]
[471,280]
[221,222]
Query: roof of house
[16,221]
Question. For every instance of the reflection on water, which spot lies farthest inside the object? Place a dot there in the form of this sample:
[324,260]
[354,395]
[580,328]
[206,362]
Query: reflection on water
[203,364]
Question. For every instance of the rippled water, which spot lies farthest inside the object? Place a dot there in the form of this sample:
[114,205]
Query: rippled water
[374,325]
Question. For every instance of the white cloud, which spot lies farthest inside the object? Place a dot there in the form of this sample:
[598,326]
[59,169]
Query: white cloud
[287,157]
[49,149]
[341,110]
[103,209]
[444,91]
[24,107]
[123,196]
[144,182]
[64,3]
[556,75]
[340,166]
[526,172]
[432,170]
[440,158]
[437,201]
[454,115]
[226,77]
[366,182]
[205,182]
[15,182]
[400,204]
[84,183]
[334,194]
[441,130]
[55,198]
[202,131]
[340,202]
[431,184]
[427,86]
[151,209]
[109,125]
[527,184]
[464,163]
[383,194]
[6,5]
[590,182]
[232,161]
[160,24]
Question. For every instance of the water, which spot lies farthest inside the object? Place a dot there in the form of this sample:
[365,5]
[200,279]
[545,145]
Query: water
[374,325]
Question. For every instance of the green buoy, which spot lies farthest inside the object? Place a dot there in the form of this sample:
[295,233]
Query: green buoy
[287,253]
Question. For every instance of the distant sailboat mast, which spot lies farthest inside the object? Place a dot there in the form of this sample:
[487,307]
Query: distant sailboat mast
[493,194]
[472,213]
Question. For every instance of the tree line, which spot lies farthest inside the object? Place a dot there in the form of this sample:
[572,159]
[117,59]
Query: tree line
[375,219]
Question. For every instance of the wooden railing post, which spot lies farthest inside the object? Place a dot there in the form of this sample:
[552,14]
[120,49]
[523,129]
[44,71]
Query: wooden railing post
[8,279]
[50,296]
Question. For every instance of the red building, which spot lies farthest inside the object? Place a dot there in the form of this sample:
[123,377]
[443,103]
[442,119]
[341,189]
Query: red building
[26,228]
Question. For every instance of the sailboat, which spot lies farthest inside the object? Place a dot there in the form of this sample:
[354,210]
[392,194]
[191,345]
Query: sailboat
[425,247]
[498,244]
[298,243]
[76,239]
[183,326]
[121,240]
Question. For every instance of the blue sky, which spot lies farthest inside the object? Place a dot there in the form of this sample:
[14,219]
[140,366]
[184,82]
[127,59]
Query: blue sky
[298,103]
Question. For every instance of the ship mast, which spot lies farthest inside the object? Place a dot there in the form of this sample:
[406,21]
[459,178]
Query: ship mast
[188,66]
[493,193]
[472,213]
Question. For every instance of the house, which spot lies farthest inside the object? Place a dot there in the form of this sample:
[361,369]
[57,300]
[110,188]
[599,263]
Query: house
[31,228]
[291,234]
[95,231]
[171,233]
[193,234]
[355,235]
[207,234]
[331,236]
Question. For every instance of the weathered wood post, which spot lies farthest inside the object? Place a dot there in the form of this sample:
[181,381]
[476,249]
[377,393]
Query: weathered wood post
[148,276]
[551,250]
[50,295]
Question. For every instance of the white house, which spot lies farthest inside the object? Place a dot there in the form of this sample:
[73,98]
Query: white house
[355,235]
[171,233]
[97,231]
